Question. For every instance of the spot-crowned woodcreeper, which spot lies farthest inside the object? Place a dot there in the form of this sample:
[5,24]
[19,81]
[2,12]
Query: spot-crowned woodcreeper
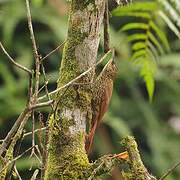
[102,87]
[101,95]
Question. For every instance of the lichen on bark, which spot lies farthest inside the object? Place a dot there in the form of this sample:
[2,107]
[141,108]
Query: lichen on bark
[135,169]
[67,158]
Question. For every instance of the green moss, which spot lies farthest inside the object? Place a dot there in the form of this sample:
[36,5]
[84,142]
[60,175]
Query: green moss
[67,158]
[9,154]
[69,67]
[69,70]
[84,98]
[136,169]
[68,162]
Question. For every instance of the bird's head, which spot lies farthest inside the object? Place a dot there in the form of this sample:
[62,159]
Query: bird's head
[111,69]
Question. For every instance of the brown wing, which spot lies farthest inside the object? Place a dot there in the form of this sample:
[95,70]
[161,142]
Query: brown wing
[105,101]
[103,107]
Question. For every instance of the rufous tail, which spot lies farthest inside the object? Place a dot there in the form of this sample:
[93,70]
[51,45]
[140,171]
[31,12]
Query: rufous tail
[89,138]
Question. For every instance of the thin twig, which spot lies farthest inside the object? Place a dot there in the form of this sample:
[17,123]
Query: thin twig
[78,77]
[37,148]
[41,105]
[44,104]
[13,61]
[16,152]
[17,173]
[46,82]
[45,152]
[30,88]
[45,57]
[15,159]
[4,149]
[33,127]
[28,133]
[170,171]
[14,129]
[33,153]
[40,89]
[35,131]
[33,135]
[36,55]
[35,174]
[106,28]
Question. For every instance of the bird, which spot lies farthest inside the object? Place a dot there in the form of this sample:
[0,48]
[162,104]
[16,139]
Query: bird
[102,90]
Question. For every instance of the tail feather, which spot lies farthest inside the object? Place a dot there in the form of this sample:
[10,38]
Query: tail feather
[89,138]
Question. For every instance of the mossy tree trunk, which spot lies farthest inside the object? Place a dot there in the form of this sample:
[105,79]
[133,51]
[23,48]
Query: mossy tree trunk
[67,158]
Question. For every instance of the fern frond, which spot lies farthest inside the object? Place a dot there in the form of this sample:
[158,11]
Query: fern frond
[134,26]
[172,12]
[160,34]
[153,50]
[156,42]
[139,7]
[140,10]
[143,15]
[148,43]
[147,72]
[138,53]
[137,36]
[138,45]
[169,23]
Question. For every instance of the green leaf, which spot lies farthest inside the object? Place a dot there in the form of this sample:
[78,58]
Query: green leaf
[130,26]
[147,73]
[145,6]
[160,34]
[143,15]
[134,37]
[155,41]
[138,45]
[169,23]
[138,53]
[153,50]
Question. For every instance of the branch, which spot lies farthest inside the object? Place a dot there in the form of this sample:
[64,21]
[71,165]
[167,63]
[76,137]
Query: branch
[41,105]
[45,57]
[136,169]
[170,171]
[107,163]
[129,162]
[20,119]
[35,131]
[14,129]
[15,159]
[78,77]
[36,56]
[28,133]
[35,174]
[46,83]
[17,173]
[14,151]
[45,151]
[11,60]
[106,29]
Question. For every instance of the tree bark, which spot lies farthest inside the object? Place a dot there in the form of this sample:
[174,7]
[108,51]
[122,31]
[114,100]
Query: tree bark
[67,158]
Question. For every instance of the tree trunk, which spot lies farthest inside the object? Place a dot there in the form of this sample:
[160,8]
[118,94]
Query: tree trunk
[67,158]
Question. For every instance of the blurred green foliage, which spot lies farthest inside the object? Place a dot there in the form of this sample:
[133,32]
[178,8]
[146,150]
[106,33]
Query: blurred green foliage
[155,125]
